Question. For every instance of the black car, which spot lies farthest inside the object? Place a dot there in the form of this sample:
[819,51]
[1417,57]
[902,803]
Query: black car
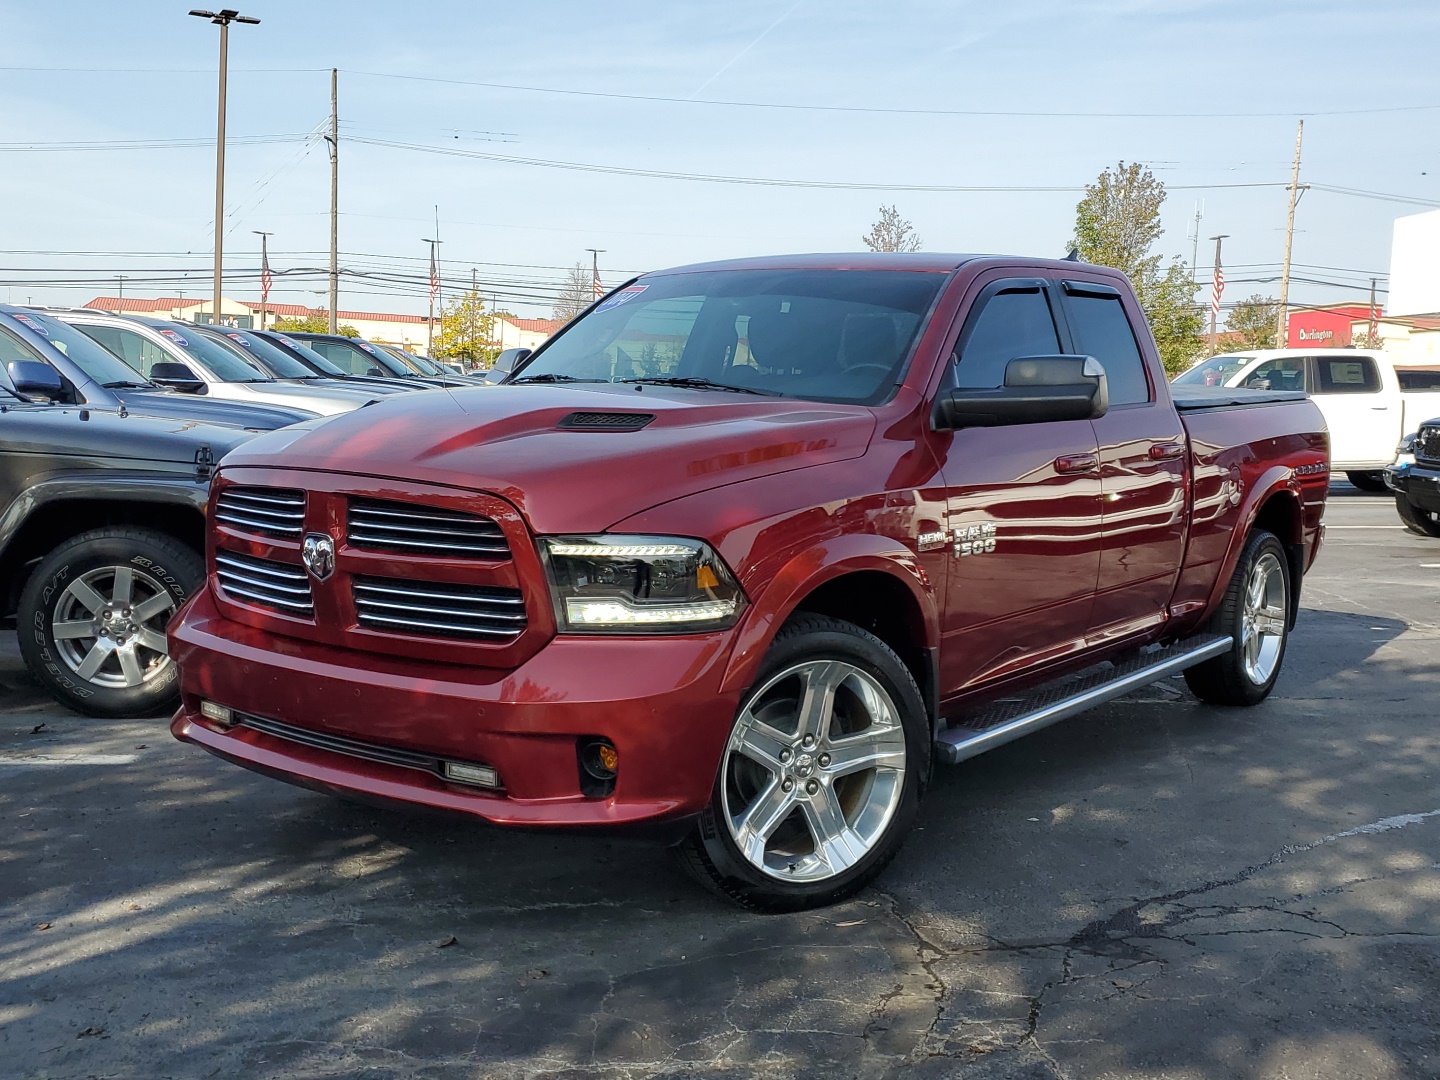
[321,365]
[1415,479]
[89,374]
[360,357]
[280,364]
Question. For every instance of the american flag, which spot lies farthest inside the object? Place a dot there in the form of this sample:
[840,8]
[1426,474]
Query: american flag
[265,279]
[1217,291]
[434,274]
[599,289]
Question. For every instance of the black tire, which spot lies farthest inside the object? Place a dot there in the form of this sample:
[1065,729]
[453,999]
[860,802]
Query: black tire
[161,572]
[1231,678]
[865,667]
[1368,481]
[1418,521]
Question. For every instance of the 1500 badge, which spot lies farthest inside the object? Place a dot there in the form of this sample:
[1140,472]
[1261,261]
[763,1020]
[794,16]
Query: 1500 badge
[971,540]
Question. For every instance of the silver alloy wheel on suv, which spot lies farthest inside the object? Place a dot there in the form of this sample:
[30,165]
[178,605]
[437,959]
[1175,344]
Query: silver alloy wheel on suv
[109,626]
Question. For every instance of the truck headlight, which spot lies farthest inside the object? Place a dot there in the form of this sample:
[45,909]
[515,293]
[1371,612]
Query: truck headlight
[639,584]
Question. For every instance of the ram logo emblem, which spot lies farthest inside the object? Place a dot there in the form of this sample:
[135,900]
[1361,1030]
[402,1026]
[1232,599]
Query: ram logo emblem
[317,552]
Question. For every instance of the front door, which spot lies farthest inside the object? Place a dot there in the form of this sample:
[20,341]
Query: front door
[1022,505]
[1363,416]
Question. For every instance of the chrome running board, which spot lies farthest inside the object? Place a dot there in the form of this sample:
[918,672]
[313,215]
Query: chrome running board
[1009,718]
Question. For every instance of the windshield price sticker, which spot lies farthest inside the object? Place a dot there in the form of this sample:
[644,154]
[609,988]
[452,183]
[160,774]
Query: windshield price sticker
[366,346]
[616,299]
[173,336]
[239,340]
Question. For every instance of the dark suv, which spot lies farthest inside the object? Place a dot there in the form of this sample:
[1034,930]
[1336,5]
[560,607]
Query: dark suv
[101,514]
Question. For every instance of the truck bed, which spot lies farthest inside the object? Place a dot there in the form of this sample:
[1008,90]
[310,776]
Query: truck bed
[1196,398]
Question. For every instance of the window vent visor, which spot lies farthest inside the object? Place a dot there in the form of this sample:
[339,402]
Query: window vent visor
[267,511]
[411,529]
[264,583]
[439,609]
[605,421]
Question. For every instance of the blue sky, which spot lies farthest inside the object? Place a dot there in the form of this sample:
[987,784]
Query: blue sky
[1363,77]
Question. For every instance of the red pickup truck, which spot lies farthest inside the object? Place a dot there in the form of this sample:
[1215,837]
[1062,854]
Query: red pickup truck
[744,549]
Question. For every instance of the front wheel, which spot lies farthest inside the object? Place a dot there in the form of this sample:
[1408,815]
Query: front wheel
[92,619]
[1255,612]
[1417,520]
[821,776]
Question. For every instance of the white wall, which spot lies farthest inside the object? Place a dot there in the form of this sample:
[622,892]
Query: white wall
[1415,265]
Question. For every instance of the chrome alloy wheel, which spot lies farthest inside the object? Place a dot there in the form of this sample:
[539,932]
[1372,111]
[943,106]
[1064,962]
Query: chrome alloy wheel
[814,771]
[1262,622]
[109,626]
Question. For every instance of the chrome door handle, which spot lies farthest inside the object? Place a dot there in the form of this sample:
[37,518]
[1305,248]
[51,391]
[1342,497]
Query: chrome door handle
[1070,464]
[1166,451]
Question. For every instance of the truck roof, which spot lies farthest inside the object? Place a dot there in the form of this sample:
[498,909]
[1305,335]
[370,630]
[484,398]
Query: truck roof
[923,261]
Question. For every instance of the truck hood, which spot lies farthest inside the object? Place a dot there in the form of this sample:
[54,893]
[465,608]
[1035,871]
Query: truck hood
[244,415]
[524,444]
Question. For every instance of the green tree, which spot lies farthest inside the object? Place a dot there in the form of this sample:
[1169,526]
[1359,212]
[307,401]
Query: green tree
[1253,320]
[891,232]
[312,324]
[1116,224]
[467,332]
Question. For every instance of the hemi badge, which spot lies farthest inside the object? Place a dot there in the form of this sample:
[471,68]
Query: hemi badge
[931,541]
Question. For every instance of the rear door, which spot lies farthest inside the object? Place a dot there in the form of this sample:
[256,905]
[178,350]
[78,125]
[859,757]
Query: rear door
[1142,448]
[1364,414]
[1022,505]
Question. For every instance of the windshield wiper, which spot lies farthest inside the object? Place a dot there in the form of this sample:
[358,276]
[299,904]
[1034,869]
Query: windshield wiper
[552,377]
[121,384]
[701,384]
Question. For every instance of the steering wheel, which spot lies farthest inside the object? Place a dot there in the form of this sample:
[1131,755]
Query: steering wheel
[881,369]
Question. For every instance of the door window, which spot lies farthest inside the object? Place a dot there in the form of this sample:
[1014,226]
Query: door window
[1286,373]
[1101,330]
[12,349]
[1015,321]
[138,352]
[1346,375]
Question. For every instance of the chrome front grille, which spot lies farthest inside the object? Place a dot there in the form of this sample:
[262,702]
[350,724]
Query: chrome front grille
[439,609]
[269,511]
[276,585]
[412,529]
[1427,443]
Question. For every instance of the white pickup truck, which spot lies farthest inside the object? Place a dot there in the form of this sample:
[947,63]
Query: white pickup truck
[1368,402]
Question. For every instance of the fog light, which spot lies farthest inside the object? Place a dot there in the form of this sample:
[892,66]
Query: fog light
[600,759]
[479,775]
[221,714]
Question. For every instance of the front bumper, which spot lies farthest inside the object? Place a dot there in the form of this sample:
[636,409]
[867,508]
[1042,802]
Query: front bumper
[1416,482]
[657,699]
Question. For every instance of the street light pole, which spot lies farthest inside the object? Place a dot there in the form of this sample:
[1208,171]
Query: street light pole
[222,19]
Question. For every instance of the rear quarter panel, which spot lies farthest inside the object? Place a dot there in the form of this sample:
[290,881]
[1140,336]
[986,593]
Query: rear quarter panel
[1241,459]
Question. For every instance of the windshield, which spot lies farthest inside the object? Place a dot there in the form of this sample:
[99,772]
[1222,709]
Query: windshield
[823,335]
[84,352]
[418,365]
[227,362]
[272,358]
[1213,372]
[316,362]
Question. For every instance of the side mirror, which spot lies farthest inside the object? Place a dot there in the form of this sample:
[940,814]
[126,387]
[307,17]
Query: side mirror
[1037,390]
[177,376]
[505,363]
[36,381]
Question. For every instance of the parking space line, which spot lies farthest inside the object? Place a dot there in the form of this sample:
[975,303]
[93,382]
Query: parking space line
[9,759]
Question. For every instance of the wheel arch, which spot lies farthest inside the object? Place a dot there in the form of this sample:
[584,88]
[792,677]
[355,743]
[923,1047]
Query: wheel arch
[872,581]
[1274,505]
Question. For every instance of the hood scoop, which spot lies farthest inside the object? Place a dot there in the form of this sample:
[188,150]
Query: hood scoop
[605,421]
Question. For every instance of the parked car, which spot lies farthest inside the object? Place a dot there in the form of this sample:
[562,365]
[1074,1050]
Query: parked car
[1368,403]
[322,365]
[88,374]
[361,357]
[186,359]
[1415,480]
[853,515]
[431,369]
[101,537]
[281,365]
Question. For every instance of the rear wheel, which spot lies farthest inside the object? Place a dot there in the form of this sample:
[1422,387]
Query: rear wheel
[92,619]
[821,776]
[1255,612]
[1417,520]
[1367,481]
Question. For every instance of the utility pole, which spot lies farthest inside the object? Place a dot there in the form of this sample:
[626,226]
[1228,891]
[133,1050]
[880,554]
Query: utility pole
[264,272]
[222,19]
[120,286]
[1282,328]
[1216,289]
[595,254]
[334,141]
[434,289]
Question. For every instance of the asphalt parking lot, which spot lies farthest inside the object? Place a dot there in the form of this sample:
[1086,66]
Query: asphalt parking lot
[1158,889]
